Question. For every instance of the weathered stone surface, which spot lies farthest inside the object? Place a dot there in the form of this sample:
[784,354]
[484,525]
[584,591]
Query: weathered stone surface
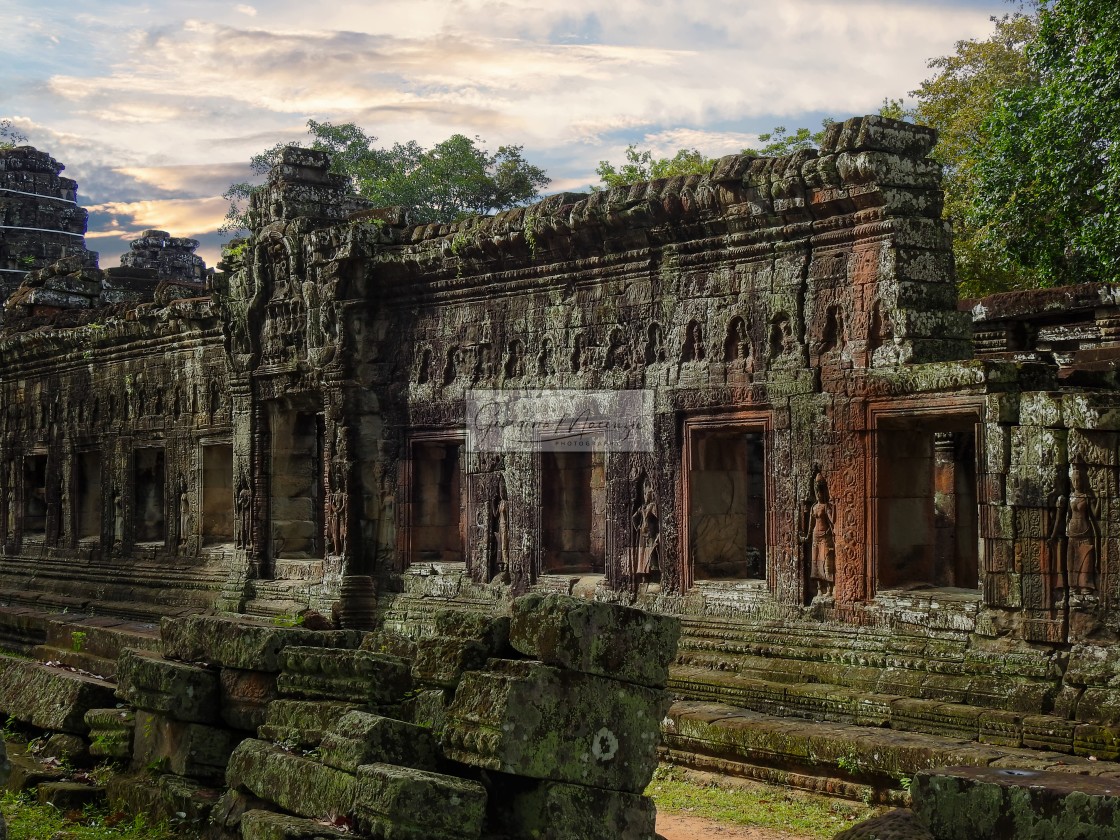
[267,825]
[359,676]
[242,643]
[302,723]
[186,749]
[110,732]
[533,720]
[970,803]
[50,698]
[595,638]
[70,796]
[555,811]
[894,825]
[245,696]
[442,661]
[296,784]
[415,805]
[164,798]
[361,738]
[184,692]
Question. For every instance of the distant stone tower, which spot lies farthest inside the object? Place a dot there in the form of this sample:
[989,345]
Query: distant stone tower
[40,220]
[171,257]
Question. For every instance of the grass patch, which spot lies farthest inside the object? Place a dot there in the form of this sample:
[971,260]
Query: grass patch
[678,791]
[28,820]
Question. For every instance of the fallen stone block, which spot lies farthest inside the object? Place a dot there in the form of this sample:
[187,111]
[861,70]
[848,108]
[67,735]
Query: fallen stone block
[530,719]
[360,738]
[241,643]
[245,696]
[301,723]
[491,630]
[899,824]
[295,783]
[50,698]
[26,771]
[161,743]
[164,798]
[406,804]
[557,811]
[359,676]
[592,637]
[268,825]
[110,732]
[975,803]
[442,660]
[69,796]
[184,692]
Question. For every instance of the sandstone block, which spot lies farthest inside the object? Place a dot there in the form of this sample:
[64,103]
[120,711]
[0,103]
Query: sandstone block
[533,720]
[556,811]
[972,803]
[595,638]
[50,698]
[244,644]
[185,749]
[400,802]
[184,692]
[442,660]
[245,696]
[267,825]
[361,738]
[301,722]
[296,784]
[359,676]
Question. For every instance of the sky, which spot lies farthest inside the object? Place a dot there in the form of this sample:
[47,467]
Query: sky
[155,108]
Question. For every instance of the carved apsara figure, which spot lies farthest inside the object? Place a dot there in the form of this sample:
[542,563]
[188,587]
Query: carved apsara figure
[184,512]
[244,516]
[693,350]
[647,531]
[1080,512]
[336,527]
[820,519]
[118,521]
[500,535]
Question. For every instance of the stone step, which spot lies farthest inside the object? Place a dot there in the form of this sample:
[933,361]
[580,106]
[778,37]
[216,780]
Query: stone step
[287,568]
[841,759]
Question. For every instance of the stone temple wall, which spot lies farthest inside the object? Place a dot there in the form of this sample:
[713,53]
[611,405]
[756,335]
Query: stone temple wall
[844,490]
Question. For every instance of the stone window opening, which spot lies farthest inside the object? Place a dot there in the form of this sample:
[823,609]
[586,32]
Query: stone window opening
[573,509]
[149,504]
[216,523]
[88,496]
[297,482]
[727,504]
[926,504]
[436,524]
[35,495]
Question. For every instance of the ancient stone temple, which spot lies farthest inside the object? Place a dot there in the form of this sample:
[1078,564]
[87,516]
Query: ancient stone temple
[869,504]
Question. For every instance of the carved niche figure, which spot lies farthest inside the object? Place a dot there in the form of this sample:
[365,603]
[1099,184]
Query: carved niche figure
[655,344]
[184,512]
[499,533]
[1080,513]
[820,536]
[579,353]
[515,360]
[118,521]
[882,330]
[336,528]
[546,359]
[244,517]
[424,368]
[451,368]
[693,350]
[835,335]
[782,342]
[647,534]
[619,353]
[736,346]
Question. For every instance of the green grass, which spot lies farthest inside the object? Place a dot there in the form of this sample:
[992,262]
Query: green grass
[27,820]
[676,790]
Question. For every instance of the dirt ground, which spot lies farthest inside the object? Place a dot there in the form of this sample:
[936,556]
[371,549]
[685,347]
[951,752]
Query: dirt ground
[684,827]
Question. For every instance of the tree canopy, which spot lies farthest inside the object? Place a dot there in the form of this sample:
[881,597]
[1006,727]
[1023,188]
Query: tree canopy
[452,179]
[1048,184]
[10,136]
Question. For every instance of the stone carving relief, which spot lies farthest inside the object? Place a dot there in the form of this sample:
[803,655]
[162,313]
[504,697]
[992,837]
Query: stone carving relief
[736,345]
[655,344]
[546,359]
[647,530]
[782,341]
[244,516]
[819,536]
[693,349]
[1076,533]
[499,535]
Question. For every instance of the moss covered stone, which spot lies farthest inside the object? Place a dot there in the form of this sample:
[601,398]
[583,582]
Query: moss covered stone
[593,637]
[242,643]
[358,676]
[295,783]
[186,749]
[533,720]
[400,802]
[50,698]
[184,692]
[267,825]
[557,811]
[360,738]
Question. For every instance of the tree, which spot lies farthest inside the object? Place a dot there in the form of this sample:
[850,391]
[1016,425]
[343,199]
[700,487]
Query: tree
[10,136]
[643,166]
[1048,185]
[956,101]
[452,179]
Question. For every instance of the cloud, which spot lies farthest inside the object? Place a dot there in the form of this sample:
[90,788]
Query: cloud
[246,10]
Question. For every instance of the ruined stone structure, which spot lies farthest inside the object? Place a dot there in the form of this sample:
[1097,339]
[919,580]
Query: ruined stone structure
[869,505]
[40,220]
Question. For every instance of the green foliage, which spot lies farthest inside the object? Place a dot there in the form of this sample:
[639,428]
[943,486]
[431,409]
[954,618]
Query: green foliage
[643,166]
[77,640]
[27,262]
[455,178]
[1048,185]
[677,791]
[288,620]
[780,142]
[27,820]
[956,101]
[10,136]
